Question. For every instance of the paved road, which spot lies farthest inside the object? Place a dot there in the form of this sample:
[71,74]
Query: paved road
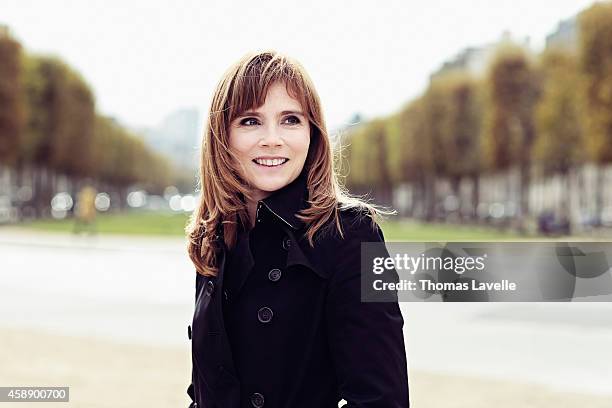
[141,290]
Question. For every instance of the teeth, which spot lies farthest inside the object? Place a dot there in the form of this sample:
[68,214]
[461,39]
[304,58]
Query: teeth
[270,162]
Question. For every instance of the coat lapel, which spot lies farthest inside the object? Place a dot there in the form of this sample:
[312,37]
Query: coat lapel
[240,263]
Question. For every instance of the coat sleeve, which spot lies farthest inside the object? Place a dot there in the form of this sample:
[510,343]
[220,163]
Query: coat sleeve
[190,390]
[365,338]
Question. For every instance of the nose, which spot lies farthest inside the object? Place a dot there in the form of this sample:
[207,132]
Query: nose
[272,137]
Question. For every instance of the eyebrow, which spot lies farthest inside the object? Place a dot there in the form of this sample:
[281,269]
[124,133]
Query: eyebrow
[285,112]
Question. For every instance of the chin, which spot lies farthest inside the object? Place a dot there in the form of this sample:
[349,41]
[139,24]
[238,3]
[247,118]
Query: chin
[271,185]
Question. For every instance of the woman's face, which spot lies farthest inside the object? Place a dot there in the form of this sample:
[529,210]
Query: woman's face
[271,142]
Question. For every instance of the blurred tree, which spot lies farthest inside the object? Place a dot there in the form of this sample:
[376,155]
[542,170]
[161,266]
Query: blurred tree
[395,155]
[417,156]
[105,131]
[54,100]
[508,128]
[430,142]
[121,159]
[12,104]
[380,165]
[369,170]
[595,59]
[461,132]
[38,116]
[62,134]
[72,150]
[60,126]
[113,157]
[559,144]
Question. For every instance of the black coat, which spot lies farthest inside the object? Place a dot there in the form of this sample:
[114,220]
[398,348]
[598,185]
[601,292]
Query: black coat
[283,326]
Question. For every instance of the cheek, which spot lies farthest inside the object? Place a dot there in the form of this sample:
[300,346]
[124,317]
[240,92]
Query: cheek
[300,144]
[240,145]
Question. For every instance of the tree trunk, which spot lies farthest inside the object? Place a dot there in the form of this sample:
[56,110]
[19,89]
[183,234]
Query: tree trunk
[430,197]
[475,195]
[523,208]
[599,194]
[566,193]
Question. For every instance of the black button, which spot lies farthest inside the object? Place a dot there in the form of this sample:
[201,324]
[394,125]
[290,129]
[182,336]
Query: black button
[225,294]
[210,287]
[286,243]
[189,332]
[264,314]
[257,400]
[274,274]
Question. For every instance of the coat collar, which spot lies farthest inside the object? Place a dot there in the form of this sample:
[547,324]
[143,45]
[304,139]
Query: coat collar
[283,205]
[286,202]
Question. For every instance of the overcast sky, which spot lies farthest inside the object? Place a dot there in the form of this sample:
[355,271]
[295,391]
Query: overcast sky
[147,59]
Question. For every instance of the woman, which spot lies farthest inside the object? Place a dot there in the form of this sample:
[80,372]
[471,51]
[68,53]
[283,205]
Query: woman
[275,241]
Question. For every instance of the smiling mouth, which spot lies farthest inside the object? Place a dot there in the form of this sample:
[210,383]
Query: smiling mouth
[270,162]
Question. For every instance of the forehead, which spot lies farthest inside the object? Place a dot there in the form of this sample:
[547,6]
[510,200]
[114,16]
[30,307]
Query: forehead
[279,96]
[253,95]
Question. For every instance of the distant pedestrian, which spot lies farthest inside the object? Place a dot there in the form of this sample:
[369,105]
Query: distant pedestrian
[85,210]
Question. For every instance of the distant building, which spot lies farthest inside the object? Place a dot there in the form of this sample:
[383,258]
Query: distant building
[472,59]
[178,137]
[475,60]
[565,36]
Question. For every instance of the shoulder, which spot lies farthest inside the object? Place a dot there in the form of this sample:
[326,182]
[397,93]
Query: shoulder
[333,251]
[340,256]
[358,222]
[358,225]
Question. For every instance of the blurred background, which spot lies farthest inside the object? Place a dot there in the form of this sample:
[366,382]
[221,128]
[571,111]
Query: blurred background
[475,120]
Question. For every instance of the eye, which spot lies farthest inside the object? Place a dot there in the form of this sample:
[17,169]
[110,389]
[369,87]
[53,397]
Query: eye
[294,120]
[247,121]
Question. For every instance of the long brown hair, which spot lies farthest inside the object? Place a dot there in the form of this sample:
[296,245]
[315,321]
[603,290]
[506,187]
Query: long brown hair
[224,193]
